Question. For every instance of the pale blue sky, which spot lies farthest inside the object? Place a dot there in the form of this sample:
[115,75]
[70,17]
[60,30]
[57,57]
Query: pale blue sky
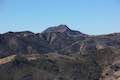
[87,16]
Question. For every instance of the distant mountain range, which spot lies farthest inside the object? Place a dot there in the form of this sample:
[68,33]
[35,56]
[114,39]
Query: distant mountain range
[59,53]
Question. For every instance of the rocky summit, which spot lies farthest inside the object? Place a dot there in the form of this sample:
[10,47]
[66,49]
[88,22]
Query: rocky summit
[59,53]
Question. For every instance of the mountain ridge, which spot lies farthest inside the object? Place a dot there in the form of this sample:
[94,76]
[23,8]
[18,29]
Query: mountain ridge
[53,39]
[59,53]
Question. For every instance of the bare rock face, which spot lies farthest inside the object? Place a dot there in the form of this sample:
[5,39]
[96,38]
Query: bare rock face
[59,53]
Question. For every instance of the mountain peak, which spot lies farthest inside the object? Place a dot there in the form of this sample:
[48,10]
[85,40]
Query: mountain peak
[64,29]
[60,28]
